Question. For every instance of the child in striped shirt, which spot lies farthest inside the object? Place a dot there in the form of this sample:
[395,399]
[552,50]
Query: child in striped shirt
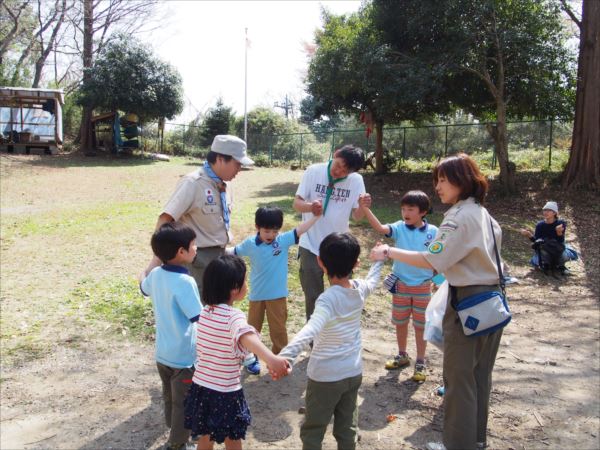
[335,365]
[215,408]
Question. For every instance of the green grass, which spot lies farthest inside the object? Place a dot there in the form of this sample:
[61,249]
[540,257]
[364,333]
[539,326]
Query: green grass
[77,222]
[528,159]
[117,301]
[22,341]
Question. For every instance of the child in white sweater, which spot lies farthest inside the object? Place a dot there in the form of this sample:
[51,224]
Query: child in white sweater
[335,365]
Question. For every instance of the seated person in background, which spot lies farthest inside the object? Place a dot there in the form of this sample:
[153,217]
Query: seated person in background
[549,241]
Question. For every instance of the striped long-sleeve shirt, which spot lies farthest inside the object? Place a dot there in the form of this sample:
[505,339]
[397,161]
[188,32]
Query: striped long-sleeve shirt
[335,329]
[219,352]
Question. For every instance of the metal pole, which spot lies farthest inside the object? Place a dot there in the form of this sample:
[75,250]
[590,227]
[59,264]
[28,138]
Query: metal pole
[271,151]
[183,138]
[446,143]
[332,144]
[301,143]
[550,146]
[246,90]
[404,144]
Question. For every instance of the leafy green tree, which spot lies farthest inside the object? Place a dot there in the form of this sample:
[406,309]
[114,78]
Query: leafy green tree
[126,76]
[217,120]
[500,58]
[270,132]
[354,71]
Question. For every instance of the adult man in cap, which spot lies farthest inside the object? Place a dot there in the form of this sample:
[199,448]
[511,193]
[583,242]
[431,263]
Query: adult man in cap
[201,200]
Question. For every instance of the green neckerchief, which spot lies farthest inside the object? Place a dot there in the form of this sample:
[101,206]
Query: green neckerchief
[332,181]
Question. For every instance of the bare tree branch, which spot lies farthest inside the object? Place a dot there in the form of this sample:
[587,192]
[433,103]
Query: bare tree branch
[566,8]
[39,64]
[10,36]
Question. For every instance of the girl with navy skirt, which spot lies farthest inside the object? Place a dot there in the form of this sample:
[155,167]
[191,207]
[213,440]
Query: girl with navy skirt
[215,407]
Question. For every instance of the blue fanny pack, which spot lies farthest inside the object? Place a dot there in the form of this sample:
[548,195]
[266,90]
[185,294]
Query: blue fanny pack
[483,313]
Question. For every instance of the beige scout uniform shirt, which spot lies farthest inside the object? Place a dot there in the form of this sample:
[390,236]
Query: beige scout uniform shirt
[463,248]
[197,203]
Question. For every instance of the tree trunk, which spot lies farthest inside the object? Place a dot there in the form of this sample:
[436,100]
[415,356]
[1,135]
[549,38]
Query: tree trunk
[41,61]
[379,166]
[86,114]
[498,133]
[583,167]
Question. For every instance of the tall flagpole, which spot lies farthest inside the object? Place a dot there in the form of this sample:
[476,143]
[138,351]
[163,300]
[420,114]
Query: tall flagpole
[246,90]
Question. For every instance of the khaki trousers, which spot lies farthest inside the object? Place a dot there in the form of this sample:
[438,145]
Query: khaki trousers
[468,365]
[326,399]
[311,279]
[203,257]
[276,318]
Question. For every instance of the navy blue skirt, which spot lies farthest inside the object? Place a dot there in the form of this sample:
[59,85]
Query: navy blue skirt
[218,414]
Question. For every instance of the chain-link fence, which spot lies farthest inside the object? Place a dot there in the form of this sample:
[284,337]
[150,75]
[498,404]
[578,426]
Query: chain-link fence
[535,144]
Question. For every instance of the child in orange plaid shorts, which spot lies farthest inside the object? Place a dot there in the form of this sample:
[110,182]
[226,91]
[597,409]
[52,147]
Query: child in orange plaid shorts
[410,286]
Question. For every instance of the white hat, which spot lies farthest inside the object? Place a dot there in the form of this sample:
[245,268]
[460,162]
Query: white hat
[552,206]
[226,144]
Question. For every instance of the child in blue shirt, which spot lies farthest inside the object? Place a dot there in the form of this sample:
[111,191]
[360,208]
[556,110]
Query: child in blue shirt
[268,254]
[410,286]
[177,307]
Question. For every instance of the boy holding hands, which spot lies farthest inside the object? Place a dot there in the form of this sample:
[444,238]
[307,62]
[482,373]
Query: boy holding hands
[335,364]
[177,307]
[268,254]
[410,286]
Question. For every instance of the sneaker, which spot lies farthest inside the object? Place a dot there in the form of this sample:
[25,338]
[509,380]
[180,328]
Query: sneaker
[441,390]
[254,367]
[400,360]
[420,374]
[479,445]
[186,446]
[435,446]
[564,271]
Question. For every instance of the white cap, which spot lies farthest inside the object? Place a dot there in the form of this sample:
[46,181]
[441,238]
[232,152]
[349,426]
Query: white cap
[226,144]
[552,206]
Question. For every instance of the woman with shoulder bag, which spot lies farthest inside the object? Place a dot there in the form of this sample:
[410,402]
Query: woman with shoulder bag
[466,252]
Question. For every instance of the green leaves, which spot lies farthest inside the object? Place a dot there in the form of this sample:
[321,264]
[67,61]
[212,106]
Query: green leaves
[128,77]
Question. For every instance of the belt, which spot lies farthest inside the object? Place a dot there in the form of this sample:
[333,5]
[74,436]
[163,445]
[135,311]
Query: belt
[222,247]
[458,293]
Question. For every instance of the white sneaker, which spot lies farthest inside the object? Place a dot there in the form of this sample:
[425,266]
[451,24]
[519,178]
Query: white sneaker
[435,446]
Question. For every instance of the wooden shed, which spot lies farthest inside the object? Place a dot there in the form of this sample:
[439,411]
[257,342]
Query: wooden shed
[31,120]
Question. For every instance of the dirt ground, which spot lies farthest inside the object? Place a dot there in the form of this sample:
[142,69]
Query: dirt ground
[90,388]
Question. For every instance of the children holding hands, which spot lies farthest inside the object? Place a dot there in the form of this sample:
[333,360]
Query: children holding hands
[268,254]
[177,306]
[216,409]
[410,286]
[335,365]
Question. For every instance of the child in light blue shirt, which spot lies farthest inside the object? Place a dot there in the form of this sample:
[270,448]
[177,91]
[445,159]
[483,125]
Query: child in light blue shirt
[177,307]
[268,254]
[410,286]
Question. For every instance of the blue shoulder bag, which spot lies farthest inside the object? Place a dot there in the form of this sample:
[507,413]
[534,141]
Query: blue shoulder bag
[485,312]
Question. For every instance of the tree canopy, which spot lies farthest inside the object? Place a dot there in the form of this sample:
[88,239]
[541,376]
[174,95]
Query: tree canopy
[355,71]
[218,120]
[126,76]
[498,58]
